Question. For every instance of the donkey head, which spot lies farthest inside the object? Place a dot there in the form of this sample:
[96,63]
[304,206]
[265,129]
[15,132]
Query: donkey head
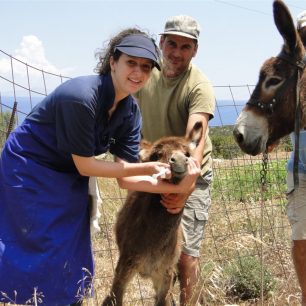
[174,151]
[270,112]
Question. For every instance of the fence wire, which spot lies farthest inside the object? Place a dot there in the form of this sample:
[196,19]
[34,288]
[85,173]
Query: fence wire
[246,227]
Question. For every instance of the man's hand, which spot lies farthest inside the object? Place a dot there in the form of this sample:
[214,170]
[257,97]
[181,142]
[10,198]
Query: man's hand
[174,202]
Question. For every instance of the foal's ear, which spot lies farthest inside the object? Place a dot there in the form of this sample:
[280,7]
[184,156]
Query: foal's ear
[145,149]
[195,135]
[285,26]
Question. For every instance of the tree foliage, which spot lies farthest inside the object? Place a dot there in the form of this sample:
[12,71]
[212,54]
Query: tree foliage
[5,118]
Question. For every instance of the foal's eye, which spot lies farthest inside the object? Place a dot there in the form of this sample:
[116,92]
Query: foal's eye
[187,154]
[273,82]
[155,156]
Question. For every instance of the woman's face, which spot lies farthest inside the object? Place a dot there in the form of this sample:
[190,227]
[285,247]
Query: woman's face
[130,73]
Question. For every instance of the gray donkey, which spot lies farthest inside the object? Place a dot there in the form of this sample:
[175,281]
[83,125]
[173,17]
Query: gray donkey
[148,237]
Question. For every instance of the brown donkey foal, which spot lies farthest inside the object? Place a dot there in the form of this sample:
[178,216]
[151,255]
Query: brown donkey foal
[148,237]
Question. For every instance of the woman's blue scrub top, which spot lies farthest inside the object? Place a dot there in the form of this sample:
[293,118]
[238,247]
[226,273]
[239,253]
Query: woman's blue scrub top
[44,219]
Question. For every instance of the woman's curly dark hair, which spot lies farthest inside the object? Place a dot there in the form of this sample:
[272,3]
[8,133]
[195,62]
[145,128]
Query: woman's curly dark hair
[104,55]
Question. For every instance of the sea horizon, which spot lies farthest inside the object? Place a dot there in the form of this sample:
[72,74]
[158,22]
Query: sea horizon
[226,111]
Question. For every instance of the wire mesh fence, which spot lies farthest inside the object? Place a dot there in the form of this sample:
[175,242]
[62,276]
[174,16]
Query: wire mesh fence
[247,230]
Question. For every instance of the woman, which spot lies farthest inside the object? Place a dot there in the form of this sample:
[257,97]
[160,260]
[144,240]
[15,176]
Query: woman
[45,249]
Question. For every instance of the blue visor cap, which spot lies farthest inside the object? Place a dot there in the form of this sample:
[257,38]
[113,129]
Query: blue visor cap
[139,45]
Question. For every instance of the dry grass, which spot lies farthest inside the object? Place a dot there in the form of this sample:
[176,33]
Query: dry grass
[235,229]
[229,234]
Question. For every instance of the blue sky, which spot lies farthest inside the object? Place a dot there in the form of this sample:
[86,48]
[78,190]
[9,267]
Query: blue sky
[62,36]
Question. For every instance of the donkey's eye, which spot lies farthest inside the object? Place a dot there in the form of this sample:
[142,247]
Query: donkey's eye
[187,154]
[273,82]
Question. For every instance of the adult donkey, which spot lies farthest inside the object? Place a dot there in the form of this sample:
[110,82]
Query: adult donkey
[277,107]
[278,101]
[148,237]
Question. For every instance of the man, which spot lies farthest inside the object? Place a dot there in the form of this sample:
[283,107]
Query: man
[296,207]
[171,102]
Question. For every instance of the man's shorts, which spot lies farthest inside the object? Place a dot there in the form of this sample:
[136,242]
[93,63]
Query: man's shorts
[195,216]
[296,206]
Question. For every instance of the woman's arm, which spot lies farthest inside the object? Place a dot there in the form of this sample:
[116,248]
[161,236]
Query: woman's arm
[137,176]
[90,166]
[150,184]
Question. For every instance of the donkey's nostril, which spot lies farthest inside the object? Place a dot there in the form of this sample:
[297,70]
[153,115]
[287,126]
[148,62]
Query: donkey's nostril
[172,160]
[238,136]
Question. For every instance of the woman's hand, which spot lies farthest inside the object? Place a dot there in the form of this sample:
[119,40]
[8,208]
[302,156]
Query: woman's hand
[147,183]
[152,168]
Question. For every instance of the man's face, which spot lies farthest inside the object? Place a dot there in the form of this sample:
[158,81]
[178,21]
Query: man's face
[177,53]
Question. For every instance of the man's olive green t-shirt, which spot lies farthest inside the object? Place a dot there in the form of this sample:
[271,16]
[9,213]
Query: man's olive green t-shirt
[166,104]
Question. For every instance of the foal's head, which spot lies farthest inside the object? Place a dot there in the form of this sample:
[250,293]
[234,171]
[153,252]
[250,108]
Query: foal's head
[174,151]
[270,112]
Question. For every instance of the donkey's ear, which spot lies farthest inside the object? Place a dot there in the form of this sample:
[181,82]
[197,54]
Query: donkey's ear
[195,135]
[285,26]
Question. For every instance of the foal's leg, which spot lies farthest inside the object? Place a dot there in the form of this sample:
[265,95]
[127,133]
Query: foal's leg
[163,283]
[125,270]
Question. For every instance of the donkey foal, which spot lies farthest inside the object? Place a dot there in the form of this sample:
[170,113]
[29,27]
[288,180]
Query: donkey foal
[148,237]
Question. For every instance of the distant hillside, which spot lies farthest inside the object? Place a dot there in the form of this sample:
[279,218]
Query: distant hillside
[225,146]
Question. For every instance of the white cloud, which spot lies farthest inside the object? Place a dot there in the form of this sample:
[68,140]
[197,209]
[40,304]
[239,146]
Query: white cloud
[31,52]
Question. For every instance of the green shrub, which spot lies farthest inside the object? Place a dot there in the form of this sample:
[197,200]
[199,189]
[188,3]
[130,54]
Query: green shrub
[243,183]
[224,144]
[244,279]
[285,144]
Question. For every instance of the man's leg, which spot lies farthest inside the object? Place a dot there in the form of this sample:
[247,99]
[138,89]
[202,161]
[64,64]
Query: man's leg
[299,260]
[193,223]
[189,276]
